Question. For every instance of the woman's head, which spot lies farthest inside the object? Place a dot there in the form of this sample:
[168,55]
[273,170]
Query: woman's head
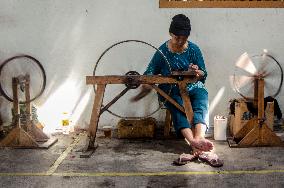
[180,25]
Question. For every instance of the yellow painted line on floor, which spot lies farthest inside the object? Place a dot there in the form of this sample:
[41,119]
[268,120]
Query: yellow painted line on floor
[22,174]
[63,155]
[131,174]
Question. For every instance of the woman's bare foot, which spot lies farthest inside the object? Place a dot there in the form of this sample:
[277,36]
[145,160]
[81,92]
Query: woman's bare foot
[202,144]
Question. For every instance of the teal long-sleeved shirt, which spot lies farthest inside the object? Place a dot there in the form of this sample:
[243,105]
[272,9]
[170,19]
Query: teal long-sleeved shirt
[177,62]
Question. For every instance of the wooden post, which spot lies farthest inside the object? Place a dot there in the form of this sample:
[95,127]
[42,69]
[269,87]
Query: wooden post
[168,124]
[260,107]
[186,101]
[269,114]
[96,114]
[15,102]
[256,90]
[260,100]
[240,108]
[28,103]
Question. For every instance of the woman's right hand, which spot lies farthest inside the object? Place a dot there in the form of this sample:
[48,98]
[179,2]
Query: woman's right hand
[145,90]
[199,73]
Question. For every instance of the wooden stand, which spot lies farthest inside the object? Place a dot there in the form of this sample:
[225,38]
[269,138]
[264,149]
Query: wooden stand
[179,78]
[256,132]
[237,120]
[27,135]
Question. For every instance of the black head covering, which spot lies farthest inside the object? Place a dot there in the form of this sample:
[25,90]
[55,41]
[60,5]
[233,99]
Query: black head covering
[180,25]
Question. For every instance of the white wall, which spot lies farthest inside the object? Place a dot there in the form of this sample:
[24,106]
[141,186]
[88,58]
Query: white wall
[69,36]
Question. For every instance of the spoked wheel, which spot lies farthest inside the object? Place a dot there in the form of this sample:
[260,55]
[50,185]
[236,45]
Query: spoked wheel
[136,54]
[248,68]
[17,67]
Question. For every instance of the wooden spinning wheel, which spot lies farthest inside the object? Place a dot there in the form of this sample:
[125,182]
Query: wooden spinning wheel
[255,78]
[133,80]
[23,80]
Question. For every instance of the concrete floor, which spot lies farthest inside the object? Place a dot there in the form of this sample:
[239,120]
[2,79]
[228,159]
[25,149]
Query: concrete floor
[138,163]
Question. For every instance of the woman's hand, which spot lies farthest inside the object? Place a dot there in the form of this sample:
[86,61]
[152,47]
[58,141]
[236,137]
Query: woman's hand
[145,90]
[195,68]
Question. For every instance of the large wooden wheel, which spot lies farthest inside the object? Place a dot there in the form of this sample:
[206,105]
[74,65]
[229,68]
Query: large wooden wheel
[249,68]
[18,67]
[104,67]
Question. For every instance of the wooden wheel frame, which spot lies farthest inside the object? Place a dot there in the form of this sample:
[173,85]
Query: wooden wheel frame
[131,72]
[179,78]
[256,132]
[33,60]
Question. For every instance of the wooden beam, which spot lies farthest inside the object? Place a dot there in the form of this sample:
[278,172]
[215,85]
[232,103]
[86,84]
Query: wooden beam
[246,129]
[168,124]
[18,138]
[96,114]
[221,4]
[15,102]
[136,79]
[167,97]
[186,101]
[28,123]
[260,99]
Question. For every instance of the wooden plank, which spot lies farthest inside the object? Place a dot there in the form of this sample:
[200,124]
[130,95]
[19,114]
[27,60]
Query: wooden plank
[27,94]
[246,129]
[240,108]
[250,138]
[269,115]
[15,102]
[96,114]
[269,138]
[166,96]
[255,93]
[28,125]
[136,79]
[168,124]
[18,138]
[231,124]
[184,73]
[37,134]
[186,101]
[47,144]
[220,4]
[261,136]
[260,99]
